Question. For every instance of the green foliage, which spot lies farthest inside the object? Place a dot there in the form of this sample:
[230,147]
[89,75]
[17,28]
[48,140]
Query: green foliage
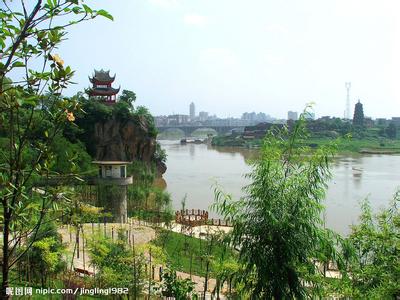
[33,114]
[116,264]
[277,225]
[372,259]
[128,97]
[391,131]
[79,211]
[187,254]
[45,257]
[143,115]
[70,157]
[120,266]
[160,154]
[94,111]
[225,270]
[230,141]
[180,289]
[145,200]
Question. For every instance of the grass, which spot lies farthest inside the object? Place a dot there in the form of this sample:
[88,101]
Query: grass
[368,144]
[358,145]
[187,254]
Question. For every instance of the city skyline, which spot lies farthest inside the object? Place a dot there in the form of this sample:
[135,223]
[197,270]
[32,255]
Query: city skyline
[264,116]
[274,57]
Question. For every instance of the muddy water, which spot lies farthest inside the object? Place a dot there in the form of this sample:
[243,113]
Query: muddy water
[193,170]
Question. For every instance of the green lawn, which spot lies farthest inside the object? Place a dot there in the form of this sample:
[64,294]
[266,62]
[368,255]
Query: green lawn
[187,254]
[357,145]
[369,144]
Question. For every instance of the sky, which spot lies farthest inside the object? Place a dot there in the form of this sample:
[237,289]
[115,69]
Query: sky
[231,56]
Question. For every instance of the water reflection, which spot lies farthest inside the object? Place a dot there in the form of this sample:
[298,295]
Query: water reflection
[246,154]
[192,150]
[193,169]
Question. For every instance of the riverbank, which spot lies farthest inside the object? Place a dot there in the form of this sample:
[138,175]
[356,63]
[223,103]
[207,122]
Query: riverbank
[364,146]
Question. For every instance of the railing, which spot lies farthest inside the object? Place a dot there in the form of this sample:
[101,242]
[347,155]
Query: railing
[197,217]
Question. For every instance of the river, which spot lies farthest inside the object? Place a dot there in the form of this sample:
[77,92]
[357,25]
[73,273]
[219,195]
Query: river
[193,170]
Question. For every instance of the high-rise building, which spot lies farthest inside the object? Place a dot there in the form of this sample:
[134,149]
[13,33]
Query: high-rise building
[192,111]
[203,116]
[292,115]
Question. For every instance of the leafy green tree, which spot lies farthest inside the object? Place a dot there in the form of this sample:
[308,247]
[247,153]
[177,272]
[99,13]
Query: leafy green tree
[225,271]
[32,79]
[277,226]
[391,131]
[372,269]
[114,262]
[143,115]
[128,97]
[120,266]
[45,257]
[160,154]
[180,289]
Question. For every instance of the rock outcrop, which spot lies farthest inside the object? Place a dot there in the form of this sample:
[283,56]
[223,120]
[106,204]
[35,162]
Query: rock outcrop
[126,141]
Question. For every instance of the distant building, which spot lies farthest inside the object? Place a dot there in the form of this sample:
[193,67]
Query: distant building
[192,111]
[381,121]
[292,115]
[161,120]
[261,117]
[254,118]
[325,118]
[177,119]
[249,116]
[396,121]
[203,116]
[358,117]
[368,122]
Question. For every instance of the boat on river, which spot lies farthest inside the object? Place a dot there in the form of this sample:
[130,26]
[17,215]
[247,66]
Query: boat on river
[192,141]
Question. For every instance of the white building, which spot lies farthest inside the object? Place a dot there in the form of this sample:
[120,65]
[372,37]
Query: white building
[192,111]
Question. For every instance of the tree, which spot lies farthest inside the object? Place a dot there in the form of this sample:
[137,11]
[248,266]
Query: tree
[128,97]
[116,264]
[45,257]
[30,98]
[372,254]
[358,117]
[391,131]
[277,226]
[180,289]
[225,270]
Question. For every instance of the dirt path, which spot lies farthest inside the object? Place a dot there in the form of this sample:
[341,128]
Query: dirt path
[133,232]
[139,234]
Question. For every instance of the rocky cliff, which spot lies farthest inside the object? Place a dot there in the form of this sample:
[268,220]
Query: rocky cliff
[127,141]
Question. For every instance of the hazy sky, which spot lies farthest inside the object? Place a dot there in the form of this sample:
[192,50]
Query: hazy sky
[231,56]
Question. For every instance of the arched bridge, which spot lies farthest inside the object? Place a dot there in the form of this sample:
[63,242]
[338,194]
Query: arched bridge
[189,129]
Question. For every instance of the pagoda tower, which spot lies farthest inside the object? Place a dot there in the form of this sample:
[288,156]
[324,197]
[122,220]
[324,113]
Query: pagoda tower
[102,88]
